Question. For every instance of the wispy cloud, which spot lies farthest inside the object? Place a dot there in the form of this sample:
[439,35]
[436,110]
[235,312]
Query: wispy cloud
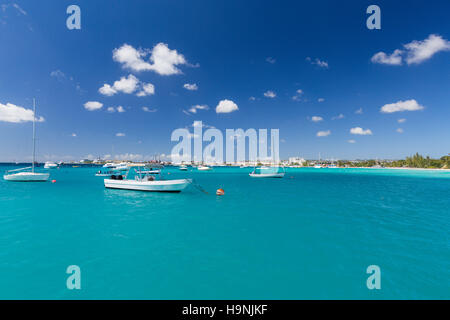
[323,133]
[147,109]
[338,117]
[316,119]
[414,52]
[359,111]
[270,60]
[320,63]
[190,87]
[120,134]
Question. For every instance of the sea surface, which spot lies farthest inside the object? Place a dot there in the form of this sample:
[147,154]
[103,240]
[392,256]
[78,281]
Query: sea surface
[310,235]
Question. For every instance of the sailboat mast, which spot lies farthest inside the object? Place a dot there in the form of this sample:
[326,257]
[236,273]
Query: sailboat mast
[34,133]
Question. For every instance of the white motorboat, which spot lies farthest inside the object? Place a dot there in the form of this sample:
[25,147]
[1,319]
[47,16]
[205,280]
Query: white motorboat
[28,176]
[267,172]
[109,165]
[183,168]
[146,182]
[203,168]
[50,165]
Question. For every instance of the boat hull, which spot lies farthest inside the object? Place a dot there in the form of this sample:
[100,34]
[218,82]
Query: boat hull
[27,177]
[149,186]
[267,175]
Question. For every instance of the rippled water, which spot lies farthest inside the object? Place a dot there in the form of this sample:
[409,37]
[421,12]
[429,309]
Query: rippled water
[310,235]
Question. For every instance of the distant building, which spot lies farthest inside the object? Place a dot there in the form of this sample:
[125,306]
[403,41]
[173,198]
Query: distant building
[296,160]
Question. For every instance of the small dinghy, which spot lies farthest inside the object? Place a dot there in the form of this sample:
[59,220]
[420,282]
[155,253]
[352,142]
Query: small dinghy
[267,172]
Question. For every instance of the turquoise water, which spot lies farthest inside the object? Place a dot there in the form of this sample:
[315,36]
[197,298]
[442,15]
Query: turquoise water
[310,235]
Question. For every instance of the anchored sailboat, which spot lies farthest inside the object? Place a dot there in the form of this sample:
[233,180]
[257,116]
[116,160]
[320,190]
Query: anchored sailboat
[28,176]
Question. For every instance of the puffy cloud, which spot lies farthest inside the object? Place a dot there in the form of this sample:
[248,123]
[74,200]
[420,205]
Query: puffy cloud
[360,131]
[359,111]
[393,59]
[190,87]
[126,85]
[226,106]
[270,94]
[162,59]
[93,105]
[120,109]
[147,90]
[120,134]
[414,52]
[399,130]
[147,109]
[16,114]
[316,119]
[297,95]
[323,133]
[107,90]
[73,135]
[351,141]
[252,98]
[408,105]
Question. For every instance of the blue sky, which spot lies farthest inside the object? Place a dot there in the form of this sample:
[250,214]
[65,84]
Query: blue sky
[318,58]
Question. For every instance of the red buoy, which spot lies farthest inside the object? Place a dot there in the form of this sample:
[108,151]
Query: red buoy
[53,181]
[220,192]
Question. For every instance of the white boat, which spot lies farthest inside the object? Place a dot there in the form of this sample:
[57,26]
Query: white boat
[267,172]
[28,176]
[50,165]
[183,168]
[109,165]
[146,182]
[203,168]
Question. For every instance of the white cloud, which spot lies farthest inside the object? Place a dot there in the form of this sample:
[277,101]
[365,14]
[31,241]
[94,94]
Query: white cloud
[162,59]
[318,62]
[394,59]
[415,52]
[190,87]
[316,119]
[297,95]
[359,111]
[126,85]
[58,74]
[73,135]
[107,90]
[194,109]
[360,131]
[351,141]
[16,114]
[419,51]
[93,105]
[399,130]
[147,89]
[321,100]
[338,117]
[408,105]
[111,109]
[252,98]
[323,133]
[147,109]
[120,134]
[401,120]
[270,94]
[120,109]
[226,106]
[271,60]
